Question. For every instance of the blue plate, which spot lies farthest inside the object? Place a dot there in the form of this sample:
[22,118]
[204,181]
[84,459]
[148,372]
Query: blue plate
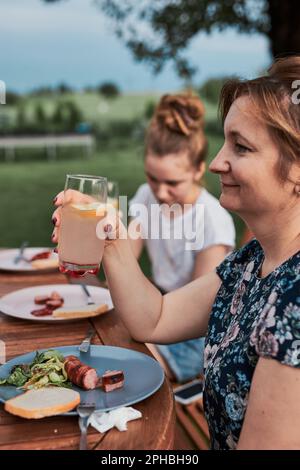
[143,375]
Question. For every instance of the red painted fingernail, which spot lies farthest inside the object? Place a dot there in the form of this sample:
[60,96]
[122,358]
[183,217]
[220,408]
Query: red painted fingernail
[54,220]
[108,228]
[55,250]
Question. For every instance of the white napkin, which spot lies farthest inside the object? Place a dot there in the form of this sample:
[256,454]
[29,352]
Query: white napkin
[103,421]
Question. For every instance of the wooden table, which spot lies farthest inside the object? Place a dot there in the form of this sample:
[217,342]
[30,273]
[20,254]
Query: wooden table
[154,431]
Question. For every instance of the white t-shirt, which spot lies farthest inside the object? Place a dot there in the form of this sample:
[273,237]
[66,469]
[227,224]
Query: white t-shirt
[169,240]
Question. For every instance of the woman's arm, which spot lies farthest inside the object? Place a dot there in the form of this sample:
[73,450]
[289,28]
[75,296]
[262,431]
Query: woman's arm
[273,413]
[207,260]
[149,316]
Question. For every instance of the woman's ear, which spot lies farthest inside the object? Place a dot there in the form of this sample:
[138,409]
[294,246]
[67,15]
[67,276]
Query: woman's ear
[200,172]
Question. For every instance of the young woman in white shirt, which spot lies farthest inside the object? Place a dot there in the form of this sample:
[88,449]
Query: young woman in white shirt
[175,152]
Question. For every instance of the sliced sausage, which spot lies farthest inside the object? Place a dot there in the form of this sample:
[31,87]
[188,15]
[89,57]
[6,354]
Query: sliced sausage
[41,312]
[41,299]
[42,255]
[53,304]
[56,296]
[112,379]
[90,379]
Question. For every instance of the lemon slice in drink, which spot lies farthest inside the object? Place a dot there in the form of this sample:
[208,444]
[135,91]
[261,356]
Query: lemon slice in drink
[94,209]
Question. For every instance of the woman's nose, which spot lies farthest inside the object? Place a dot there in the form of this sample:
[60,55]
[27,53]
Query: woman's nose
[220,163]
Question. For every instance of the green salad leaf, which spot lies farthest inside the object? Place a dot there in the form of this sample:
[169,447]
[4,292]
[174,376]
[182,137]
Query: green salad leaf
[46,369]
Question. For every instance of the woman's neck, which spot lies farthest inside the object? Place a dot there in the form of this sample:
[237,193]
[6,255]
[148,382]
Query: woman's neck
[279,238]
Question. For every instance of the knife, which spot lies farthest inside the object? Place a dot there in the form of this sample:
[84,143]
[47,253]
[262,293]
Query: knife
[85,345]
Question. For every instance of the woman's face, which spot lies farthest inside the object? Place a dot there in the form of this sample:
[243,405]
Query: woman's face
[247,165]
[172,177]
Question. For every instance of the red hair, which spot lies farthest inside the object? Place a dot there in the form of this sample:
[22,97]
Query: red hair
[178,126]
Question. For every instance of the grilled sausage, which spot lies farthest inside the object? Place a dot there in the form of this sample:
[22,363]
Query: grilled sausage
[81,374]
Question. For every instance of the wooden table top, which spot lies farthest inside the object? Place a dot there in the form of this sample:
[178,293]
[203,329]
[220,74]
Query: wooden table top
[154,431]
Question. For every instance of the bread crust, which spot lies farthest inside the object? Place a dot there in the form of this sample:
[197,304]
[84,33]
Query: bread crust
[44,263]
[64,313]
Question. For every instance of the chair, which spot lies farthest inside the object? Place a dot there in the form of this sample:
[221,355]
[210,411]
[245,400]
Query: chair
[191,418]
[192,423]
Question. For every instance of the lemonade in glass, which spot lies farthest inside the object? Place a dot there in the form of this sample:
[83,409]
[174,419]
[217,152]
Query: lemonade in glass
[80,251]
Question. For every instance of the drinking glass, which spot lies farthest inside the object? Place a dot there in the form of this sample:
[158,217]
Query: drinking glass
[113,194]
[80,251]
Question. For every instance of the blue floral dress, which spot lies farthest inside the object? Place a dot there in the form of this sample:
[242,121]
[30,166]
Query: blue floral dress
[251,317]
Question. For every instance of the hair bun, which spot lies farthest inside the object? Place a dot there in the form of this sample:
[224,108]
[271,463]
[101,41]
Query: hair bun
[181,113]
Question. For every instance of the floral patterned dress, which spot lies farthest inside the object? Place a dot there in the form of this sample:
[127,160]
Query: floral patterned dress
[251,317]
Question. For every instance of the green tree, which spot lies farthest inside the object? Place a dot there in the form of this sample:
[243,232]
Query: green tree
[109,90]
[21,120]
[12,98]
[74,116]
[40,116]
[170,25]
[211,88]
[58,115]
[58,118]
[66,116]
[149,109]
[63,88]
[42,91]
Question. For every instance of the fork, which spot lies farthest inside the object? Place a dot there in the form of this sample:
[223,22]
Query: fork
[20,255]
[89,297]
[84,410]
[85,345]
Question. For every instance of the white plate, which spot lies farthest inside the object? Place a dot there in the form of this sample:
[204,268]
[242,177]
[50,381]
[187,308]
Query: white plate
[20,303]
[7,259]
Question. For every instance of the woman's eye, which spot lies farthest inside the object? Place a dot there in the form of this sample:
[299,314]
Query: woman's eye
[241,148]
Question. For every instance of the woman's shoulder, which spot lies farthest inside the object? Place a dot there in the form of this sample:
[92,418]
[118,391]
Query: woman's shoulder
[235,263]
[248,252]
[288,274]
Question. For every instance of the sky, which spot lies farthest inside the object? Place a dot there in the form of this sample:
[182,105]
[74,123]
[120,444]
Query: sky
[73,41]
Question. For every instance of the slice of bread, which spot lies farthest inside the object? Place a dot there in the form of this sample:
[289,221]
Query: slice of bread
[48,401]
[80,311]
[45,263]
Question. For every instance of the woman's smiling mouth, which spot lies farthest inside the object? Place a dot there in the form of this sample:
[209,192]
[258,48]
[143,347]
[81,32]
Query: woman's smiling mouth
[229,185]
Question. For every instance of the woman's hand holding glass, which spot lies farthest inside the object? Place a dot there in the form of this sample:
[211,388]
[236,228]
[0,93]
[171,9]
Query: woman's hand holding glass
[82,222]
[108,229]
